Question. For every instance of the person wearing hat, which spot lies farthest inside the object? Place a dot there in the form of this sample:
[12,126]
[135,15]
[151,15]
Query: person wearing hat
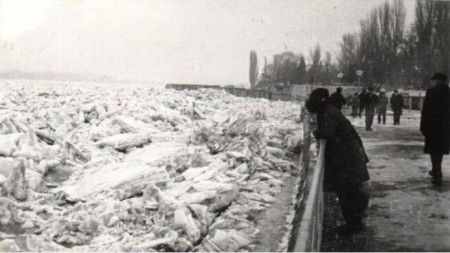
[370,104]
[435,124]
[382,106]
[397,105]
[345,159]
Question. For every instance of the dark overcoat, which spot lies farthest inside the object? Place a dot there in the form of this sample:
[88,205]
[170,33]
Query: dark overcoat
[362,98]
[345,157]
[382,102]
[435,120]
[337,100]
[371,102]
[396,102]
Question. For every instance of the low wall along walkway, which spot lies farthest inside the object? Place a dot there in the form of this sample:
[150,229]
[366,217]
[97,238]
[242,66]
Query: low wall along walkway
[307,224]
[240,92]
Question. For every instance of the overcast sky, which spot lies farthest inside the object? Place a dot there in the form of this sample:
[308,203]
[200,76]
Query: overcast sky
[183,41]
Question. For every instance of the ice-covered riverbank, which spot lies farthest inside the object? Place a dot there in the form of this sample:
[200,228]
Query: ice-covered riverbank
[143,169]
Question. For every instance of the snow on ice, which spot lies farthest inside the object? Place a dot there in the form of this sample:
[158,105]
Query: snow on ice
[146,169]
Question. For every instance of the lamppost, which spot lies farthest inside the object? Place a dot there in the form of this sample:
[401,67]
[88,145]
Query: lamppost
[340,75]
[359,74]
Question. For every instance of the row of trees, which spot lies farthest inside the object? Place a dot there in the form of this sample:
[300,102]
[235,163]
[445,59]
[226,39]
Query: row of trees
[391,55]
[384,49]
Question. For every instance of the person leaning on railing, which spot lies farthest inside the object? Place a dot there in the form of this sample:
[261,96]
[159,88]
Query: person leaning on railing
[345,159]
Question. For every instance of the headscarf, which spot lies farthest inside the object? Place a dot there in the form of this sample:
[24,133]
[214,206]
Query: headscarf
[317,101]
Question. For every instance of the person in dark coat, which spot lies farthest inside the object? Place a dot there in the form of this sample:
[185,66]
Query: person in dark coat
[382,107]
[337,99]
[435,124]
[397,105]
[370,103]
[362,101]
[345,159]
[355,105]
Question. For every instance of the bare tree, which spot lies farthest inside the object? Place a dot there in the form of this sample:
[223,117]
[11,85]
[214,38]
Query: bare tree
[432,26]
[327,67]
[441,36]
[425,46]
[348,56]
[315,72]
[376,49]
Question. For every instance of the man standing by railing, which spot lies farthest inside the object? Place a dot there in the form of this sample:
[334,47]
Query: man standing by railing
[435,124]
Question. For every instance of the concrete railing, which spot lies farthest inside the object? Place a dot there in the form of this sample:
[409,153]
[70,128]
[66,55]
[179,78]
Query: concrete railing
[307,224]
[240,92]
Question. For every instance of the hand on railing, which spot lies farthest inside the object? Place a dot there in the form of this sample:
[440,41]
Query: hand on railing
[314,126]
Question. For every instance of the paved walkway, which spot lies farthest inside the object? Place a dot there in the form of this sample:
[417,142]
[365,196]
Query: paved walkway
[406,212]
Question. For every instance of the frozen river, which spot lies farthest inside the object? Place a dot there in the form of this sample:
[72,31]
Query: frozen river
[106,167]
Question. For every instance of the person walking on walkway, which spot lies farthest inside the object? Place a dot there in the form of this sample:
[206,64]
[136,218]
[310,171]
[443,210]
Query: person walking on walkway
[362,101]
[345,159]
[355,105]
[382,107]
[397,105]
[337,99]
[370,103]
[435,124]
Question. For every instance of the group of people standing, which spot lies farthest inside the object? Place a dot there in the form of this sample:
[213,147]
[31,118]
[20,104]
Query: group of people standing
[371,103]
[345,157]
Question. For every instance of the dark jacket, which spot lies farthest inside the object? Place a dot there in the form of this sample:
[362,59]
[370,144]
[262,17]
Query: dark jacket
[337,100]
[435,120]
[355,101]
[382,102]
[362,99]
[345,157]
[396,102]
[371,101]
